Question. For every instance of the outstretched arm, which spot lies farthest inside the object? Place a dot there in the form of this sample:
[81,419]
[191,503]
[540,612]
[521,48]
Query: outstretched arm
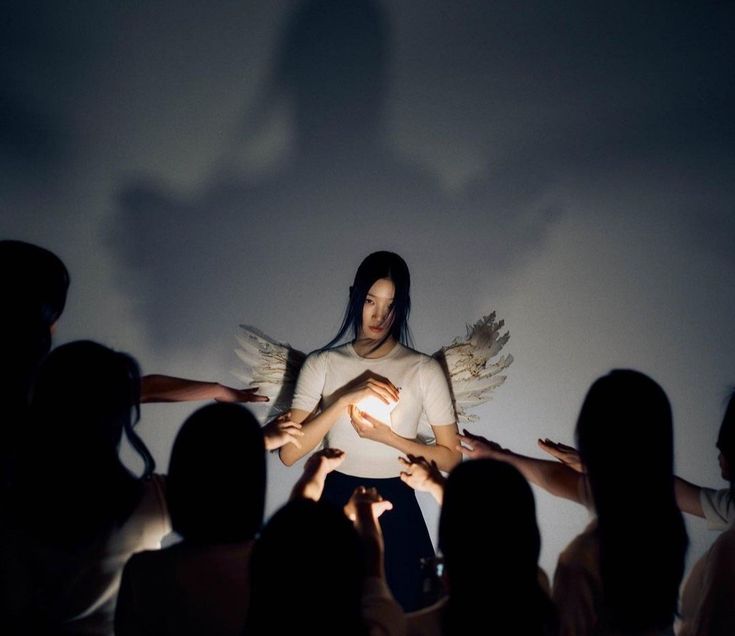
[687,497]
[444,453]
[311,483]
[556,478]
[166,388]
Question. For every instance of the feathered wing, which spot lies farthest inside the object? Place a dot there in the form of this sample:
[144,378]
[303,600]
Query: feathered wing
[270,365]
[474,368]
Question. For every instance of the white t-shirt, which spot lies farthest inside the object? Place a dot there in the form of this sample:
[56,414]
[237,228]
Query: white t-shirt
[718,507]
[423,391]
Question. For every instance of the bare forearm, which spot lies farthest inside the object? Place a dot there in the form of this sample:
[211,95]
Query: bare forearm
[687,497]
[554,477]
[446,458]
[166,388]
[314,428]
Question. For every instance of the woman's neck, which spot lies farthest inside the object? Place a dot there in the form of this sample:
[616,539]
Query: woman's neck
[364,347]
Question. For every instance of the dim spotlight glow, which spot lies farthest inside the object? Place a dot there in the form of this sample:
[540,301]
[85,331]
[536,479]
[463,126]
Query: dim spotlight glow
[377,409]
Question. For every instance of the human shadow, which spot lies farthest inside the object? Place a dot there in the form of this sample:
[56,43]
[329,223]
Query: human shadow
[242,247]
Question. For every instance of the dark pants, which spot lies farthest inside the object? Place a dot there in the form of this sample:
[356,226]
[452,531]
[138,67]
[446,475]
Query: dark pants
[407,539]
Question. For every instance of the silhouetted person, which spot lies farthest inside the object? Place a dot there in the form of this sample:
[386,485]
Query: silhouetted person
[708,594]
[216,492]
[76,512]
[490,543]
[332,586]
[33,287]
[622,574]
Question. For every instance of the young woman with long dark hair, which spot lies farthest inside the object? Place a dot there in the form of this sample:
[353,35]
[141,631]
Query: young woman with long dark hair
[376,370]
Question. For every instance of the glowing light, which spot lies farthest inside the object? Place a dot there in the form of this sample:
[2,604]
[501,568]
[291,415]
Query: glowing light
[377,408]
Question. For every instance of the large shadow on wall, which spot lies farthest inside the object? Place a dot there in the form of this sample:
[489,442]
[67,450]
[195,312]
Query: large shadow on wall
[244,249]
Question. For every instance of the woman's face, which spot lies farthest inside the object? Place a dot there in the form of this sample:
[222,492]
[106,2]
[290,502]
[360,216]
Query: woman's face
[377,311]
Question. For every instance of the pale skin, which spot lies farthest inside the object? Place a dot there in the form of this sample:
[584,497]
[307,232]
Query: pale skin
[377,318]
[423,475]
[687,494]
[166,388]
[556,478]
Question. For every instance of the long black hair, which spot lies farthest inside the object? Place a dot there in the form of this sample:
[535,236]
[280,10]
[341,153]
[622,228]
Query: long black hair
[327,566]
[71,477]
[498,580]
[641,532]
[726,440]
[216,476]
[374,267]
[33,288]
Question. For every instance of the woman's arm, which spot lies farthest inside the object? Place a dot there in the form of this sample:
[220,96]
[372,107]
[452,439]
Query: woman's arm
[315,426]
[166,388]
[445,453]
[687,497]
[554,477]
[311,483]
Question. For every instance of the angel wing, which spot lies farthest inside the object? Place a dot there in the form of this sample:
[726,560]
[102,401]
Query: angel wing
[270,365]
[473,368]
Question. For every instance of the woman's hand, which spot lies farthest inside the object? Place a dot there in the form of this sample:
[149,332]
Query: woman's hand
[282,431]
[228,394]
[311,483]
[567,455]
[369,427]
[423,475]
[365,504]
[383,389]
[476,446]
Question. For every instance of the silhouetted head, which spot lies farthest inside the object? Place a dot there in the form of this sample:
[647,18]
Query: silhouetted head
[34,281]
[217,475]
[84,397]
[625,413]
[310,551]
[490,541]
[379,266]
[463,532]
[33,286]
[625,439]
[726,442]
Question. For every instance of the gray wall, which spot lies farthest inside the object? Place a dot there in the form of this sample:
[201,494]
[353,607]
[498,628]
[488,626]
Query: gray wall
[212,163]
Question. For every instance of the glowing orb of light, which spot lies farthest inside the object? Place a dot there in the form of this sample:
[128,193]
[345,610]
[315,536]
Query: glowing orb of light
[377,408]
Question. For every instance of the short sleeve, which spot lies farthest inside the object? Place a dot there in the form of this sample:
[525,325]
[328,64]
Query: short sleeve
[436,398]
[718,507]
[310,385]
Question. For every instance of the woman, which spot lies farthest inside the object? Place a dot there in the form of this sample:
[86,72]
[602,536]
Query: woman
[76,513]
[622,574]
[334,389]
[490,567]
[216,493]
[708,595]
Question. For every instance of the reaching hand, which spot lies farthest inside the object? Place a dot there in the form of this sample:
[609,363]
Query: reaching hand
[567,455]
[282,431]
[366,504]
[324,461]
[228,394]
[423,475]
[476,446]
